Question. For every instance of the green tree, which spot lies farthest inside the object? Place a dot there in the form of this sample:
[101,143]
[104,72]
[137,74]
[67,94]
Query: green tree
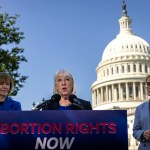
[10,54]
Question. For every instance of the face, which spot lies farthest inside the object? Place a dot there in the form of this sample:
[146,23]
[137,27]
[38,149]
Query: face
[148,86]
[64,85]
[4,88]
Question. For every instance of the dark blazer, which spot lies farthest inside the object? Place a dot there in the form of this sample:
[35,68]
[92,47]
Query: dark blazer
[141,123]
[10,104]
[86,105]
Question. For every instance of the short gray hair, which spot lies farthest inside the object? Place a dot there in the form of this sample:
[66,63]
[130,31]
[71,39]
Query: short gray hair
[66,73]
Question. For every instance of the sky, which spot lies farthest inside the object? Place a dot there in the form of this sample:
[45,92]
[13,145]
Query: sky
[70,35]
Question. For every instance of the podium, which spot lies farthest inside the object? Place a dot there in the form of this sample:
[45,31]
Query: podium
[64,129]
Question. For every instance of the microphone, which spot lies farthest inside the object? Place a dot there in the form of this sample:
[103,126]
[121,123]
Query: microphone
[54,98]
[73,99]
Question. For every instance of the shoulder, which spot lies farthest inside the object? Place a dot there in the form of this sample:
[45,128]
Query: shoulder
[143,105]
[86,104]
[16,105]
[16,102]
[84,101]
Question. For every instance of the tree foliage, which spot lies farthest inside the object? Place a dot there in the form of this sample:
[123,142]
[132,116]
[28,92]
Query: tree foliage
[10,58]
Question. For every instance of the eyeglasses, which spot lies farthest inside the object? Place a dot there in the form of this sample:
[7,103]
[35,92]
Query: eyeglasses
[147,84]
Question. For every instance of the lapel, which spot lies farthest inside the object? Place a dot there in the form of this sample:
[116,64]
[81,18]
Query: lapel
[53,106]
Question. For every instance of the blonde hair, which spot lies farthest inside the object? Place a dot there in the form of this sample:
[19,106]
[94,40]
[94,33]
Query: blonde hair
[4,77]
[66,73]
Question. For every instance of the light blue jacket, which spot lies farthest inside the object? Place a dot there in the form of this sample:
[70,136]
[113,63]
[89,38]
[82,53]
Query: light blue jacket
[141,123]
[10,105]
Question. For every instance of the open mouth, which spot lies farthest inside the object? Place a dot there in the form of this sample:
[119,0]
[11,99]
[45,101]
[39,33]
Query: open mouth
[64,89]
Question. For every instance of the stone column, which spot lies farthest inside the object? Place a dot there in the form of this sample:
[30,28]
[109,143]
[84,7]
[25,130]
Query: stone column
[143,67]
[112,92]
[93,99]
[141,89]
[109,90]
[138,68]
[134,91]
[119,90]
[126,68]
[102,97]
[132,68]
[148,68]
[98,96]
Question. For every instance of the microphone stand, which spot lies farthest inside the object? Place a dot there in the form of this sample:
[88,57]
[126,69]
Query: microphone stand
[43,105]
[77,105]
[54,98]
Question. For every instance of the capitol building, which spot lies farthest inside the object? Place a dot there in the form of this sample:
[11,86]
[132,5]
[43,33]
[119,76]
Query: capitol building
[121,74]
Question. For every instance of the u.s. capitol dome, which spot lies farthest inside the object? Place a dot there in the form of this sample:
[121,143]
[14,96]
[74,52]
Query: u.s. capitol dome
[121,74]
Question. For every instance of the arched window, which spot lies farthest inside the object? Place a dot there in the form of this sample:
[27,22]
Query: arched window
[122,68]
[117,69]
[140,67]
[146,68]
[128,67]
[112,71]
[134,68]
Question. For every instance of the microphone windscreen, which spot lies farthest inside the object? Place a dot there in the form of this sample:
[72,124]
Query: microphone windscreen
[56,97]
[72,97]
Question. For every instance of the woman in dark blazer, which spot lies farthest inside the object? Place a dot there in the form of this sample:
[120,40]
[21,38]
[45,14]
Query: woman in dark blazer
[64,86]
[6,102]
